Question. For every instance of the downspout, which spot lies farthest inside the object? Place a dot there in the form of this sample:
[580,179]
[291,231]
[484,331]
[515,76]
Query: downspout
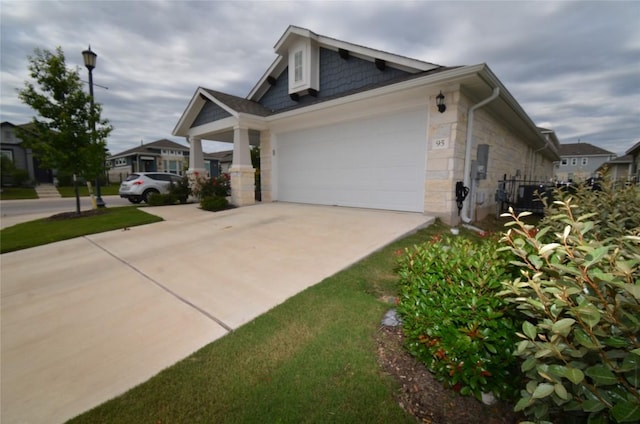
[546,144]
[466,207]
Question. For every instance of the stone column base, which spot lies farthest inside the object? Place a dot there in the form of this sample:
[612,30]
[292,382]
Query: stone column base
[243,185]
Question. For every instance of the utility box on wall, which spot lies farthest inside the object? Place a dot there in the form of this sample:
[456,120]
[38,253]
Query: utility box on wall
[479,166]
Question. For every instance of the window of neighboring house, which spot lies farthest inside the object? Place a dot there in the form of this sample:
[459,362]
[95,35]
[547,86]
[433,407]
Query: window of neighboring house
[584,161]
[574,161]
[174,166]
[564,162]
[7,153]
[297,66]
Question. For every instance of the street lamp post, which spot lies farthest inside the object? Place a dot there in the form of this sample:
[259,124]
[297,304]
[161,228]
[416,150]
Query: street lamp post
[90,62]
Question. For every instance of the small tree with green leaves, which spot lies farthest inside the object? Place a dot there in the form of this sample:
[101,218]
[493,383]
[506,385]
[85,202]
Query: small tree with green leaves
[62,135]
[580,292]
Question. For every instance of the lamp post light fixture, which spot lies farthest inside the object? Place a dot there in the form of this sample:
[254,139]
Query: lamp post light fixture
[440,103]
[90,62]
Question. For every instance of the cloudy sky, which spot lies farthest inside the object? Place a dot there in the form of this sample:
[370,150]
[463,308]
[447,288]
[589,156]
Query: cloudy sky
[573,66]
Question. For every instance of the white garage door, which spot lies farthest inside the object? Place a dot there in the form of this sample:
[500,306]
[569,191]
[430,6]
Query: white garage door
[376,163]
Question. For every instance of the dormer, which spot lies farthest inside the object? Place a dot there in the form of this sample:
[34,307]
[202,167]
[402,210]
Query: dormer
[300,49]
[304,73]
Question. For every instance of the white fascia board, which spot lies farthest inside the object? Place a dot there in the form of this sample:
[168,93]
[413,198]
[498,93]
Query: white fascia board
[276,68]
[253,122]
[220,125]
[195,103]
[488,75]
[293,32]
[219,103]
[366,53]
[442,77]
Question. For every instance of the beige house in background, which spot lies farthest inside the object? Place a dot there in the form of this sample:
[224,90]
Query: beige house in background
[347,125]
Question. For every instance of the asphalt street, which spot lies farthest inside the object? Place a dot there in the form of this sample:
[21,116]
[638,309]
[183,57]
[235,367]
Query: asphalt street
[15,211]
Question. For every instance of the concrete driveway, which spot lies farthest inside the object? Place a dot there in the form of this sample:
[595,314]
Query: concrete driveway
[86,319]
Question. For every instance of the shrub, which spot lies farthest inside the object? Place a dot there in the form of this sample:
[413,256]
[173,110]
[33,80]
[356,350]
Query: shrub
[580,291]
[162,199]
[452,318]
[181,190]
[219,186]
[214,203]
[20,177]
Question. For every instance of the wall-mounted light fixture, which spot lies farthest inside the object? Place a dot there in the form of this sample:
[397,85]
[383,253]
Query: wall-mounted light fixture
[440,103]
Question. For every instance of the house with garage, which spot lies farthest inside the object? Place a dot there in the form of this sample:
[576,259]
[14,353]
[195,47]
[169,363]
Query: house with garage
[342,124]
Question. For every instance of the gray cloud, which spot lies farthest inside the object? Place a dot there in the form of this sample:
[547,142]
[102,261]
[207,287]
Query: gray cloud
[573,66]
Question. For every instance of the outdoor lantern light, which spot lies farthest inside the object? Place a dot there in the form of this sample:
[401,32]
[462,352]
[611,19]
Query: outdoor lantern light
[90,62]
[440,103]
[89,59]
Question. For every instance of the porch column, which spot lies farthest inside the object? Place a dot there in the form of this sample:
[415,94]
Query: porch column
[241,171]
[196,169]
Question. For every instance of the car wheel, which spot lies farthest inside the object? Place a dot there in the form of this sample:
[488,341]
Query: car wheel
[135,200]
[147,193]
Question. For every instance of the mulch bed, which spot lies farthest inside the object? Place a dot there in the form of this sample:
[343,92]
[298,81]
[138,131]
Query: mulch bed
[72,215]
[427,399]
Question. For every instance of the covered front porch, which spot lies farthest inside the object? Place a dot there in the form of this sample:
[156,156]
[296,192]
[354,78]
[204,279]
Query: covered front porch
[219,117]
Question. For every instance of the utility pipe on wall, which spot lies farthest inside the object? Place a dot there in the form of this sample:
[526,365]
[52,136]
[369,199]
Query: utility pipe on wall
[466,207]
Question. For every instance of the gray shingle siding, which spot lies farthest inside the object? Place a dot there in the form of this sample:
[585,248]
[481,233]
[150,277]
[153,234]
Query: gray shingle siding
[337,76]
[210,112]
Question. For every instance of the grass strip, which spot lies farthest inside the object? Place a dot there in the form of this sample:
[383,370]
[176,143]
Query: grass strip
[108,190]
[17,193]
[312,359]
[47,230]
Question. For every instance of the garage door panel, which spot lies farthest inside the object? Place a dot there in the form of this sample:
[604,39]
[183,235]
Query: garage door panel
[375,163]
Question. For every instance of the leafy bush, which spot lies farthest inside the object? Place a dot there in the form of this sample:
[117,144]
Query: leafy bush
[219,186]
[162,199]
[580,291]
[214,203]
[181,190]
[20,177]
[453,320]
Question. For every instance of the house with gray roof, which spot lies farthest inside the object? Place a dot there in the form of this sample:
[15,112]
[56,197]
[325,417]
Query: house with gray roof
[343,124]
[158,156]
[11,147]
[580,161]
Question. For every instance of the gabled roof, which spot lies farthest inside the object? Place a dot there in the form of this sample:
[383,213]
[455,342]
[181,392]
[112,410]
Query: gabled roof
[633,150]
[239,104]
[583,149]
[294,33]
[154,145]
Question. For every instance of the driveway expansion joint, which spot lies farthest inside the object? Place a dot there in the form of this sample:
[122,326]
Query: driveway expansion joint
[162,286]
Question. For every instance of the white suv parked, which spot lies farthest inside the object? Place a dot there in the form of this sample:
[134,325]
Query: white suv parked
[137,187]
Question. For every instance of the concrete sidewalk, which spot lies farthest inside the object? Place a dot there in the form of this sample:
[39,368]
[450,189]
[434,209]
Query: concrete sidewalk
[86,319]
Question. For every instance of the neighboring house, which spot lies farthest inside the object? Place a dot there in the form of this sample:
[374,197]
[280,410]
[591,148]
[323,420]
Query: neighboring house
[22,158]
[158,156]
[634,152]
[580,161]
[225,159]
[342,124]
[618,169]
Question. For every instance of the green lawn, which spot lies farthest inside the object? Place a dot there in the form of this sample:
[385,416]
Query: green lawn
[43,231]
[108,190]
[17,193]
[311,359]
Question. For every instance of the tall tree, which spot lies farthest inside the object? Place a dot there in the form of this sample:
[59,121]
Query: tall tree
[62,135]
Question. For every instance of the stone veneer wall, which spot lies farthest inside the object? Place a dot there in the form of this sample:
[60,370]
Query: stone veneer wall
[508,153]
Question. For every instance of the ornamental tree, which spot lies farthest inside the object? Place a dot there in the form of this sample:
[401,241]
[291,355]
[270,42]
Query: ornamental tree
[61,136]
